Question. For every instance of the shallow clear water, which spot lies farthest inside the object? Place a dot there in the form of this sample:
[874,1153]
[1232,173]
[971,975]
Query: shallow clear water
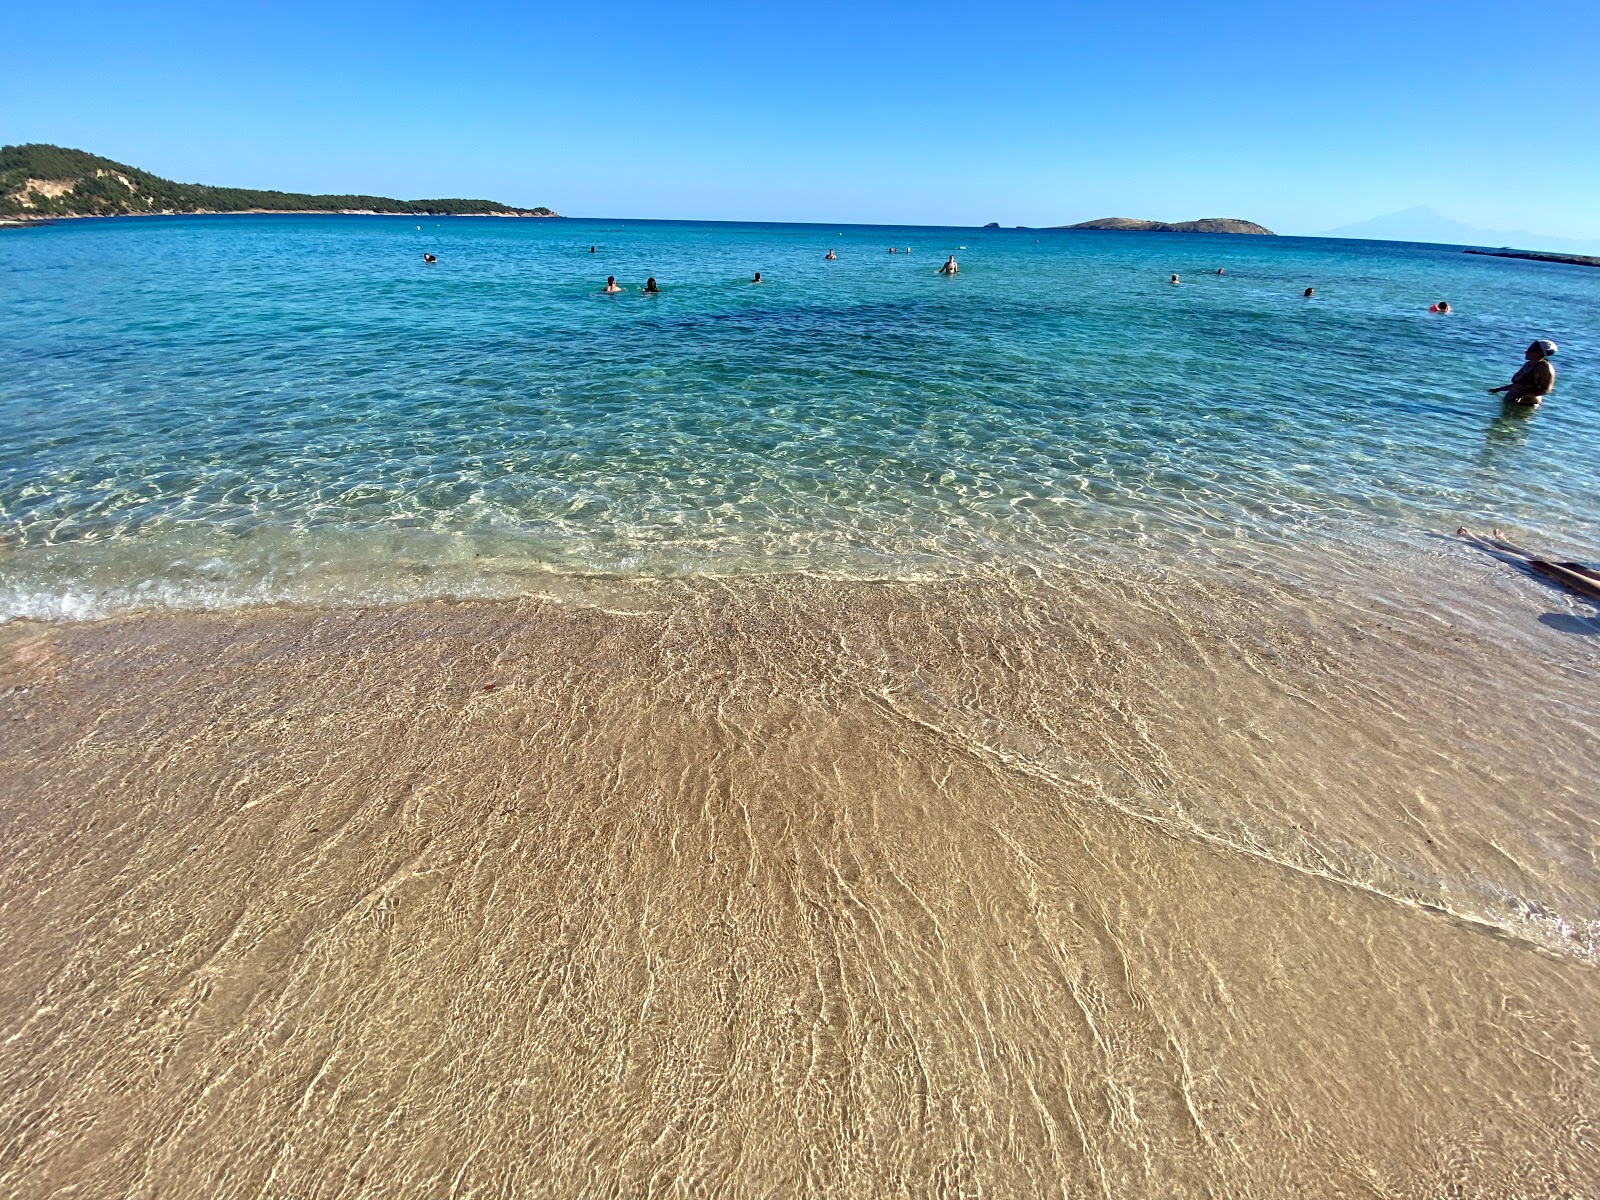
[209,411]
[1020,733]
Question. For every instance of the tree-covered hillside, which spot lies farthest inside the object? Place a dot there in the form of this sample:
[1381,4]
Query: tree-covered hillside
[52,181]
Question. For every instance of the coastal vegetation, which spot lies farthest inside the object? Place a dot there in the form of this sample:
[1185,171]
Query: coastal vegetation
[39,180]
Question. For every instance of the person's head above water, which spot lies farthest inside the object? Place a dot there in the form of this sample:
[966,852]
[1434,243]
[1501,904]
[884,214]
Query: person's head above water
[650,285]
[1220,271]
[1442,307]
[429,258]
[1174,279]
[757,279]
[1310,292]
[1540,348]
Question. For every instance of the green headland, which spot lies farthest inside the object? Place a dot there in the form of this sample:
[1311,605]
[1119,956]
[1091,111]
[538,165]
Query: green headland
[42,181]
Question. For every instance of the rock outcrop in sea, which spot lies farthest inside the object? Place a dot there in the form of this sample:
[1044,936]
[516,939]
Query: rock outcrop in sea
[1204,225]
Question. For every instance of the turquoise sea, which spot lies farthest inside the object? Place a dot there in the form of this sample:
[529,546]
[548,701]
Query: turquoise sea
[212,411]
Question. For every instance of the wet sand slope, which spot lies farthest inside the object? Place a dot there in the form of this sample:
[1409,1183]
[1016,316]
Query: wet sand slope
[785,889]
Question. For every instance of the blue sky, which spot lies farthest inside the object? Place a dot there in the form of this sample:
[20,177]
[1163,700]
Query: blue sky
[1303,116]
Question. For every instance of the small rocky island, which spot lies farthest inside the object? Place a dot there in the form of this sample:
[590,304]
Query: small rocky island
[40,182]
[1204,225]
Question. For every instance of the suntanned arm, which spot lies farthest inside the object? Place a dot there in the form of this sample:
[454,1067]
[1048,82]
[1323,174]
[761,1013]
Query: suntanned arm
[1518,383]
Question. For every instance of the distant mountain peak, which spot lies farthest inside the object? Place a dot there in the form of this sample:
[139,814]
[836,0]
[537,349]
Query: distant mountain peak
[1423,223]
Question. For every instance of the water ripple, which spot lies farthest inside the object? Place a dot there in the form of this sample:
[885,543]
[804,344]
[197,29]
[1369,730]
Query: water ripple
[214,387]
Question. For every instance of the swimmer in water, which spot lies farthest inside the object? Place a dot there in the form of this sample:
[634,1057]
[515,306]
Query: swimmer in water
[830,256]
[757,279]
[892,250]
[611,287]
[428,258]
[1309,292]
[1174,281]
[650,288]
[949,267]
[591,249]
[1534,379]
[1220,271]
[1442,307]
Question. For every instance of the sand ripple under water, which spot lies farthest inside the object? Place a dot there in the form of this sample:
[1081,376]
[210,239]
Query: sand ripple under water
[778,887]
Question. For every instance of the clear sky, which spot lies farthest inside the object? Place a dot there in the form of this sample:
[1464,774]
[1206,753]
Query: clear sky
[1303,116]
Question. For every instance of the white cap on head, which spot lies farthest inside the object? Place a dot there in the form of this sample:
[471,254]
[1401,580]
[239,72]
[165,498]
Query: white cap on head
[1546,345]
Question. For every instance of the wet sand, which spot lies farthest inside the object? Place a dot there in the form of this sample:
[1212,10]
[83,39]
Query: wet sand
[1020,887]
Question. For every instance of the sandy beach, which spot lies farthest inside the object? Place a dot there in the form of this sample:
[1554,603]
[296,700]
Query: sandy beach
[837,670]
[792,887]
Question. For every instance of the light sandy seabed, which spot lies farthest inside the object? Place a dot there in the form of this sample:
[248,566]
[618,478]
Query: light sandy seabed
[1020,887]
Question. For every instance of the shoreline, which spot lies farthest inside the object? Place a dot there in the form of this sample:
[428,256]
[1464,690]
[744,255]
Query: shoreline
[1196,820]
[1576,260]
[793,886]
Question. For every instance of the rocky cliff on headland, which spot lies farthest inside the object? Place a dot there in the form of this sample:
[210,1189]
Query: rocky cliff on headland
[1204,225]
[41,181]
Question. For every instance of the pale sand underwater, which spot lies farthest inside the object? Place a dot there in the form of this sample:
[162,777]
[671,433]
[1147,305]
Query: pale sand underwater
[784,887]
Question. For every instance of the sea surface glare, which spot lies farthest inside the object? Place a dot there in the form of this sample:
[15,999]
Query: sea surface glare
[869,734]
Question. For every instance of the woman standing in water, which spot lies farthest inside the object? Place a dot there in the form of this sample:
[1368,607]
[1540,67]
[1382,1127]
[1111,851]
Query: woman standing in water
[1534,379]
